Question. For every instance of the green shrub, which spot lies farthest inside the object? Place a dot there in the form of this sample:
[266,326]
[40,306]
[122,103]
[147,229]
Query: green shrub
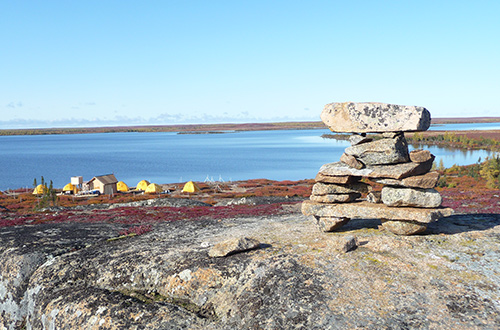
[490,170]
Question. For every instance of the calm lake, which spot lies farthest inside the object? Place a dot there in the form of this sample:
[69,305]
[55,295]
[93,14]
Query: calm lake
[172,157]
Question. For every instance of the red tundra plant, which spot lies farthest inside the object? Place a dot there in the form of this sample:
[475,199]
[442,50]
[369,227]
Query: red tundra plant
[137,230]
[477,201]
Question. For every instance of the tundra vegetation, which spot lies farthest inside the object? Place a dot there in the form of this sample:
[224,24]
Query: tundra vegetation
[467,189]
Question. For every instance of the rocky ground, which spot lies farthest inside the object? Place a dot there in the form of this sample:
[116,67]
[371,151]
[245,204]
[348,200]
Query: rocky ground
[77,275]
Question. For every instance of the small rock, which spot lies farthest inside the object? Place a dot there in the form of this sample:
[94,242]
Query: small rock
[374,197]
[359,138]
[351,161]
[347,243]
[233,246]
[391,135]
[403,227]
[329,224]
[421,156]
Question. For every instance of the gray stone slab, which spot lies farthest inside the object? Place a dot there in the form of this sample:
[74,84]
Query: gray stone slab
[366,210]
[413,197]
[347,179]
[371,117]
[396,171]
[320,188]
[425,181]
[335,198]
[380,152]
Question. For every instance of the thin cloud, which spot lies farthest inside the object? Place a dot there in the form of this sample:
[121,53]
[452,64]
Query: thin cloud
[162,119]
[14,105]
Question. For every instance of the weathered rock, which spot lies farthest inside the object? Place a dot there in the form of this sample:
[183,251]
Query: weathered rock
[382,151]
[366,210]
[412,197]
[329,224]
[351,161]
[368,117]
[165,280]
[335,198]
[233,246]
[374,197]
[426,181]
[421,156]
[397,171]
[359,138]
[346,179]
[348,243]
[404,227]
[320,188]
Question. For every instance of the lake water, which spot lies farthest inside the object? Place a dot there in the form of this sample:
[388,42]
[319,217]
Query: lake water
[171,157]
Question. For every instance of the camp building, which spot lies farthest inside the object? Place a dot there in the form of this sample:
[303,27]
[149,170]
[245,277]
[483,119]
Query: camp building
[106,184]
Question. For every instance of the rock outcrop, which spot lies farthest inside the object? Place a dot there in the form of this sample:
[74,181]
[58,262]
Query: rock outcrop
[69,276]
[407,202]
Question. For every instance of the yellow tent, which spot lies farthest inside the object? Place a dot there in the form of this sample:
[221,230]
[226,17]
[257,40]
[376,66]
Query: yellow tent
[190,187]
[39,190]
[70,187]
[142,185]
[121,186]
[153,188]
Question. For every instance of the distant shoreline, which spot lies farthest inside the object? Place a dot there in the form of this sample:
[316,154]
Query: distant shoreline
[210,128]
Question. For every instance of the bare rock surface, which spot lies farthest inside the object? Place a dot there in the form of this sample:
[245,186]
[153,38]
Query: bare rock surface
[413,197]
[372,117]
[68,276]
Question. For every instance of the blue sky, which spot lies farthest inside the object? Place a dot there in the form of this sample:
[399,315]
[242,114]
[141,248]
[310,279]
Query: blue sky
[95,63]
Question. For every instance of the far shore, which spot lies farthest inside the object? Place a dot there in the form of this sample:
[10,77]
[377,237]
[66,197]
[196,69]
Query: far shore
[210,128]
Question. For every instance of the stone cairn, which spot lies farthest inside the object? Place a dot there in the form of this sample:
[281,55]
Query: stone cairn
[408,201]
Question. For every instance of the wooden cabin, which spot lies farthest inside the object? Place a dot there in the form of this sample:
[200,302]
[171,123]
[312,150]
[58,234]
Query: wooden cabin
[106,184]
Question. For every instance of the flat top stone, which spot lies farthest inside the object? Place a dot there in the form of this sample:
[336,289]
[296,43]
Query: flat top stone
[367,210]
[372,117]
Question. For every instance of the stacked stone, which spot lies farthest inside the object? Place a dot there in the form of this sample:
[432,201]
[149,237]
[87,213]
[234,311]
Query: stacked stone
[408,201]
